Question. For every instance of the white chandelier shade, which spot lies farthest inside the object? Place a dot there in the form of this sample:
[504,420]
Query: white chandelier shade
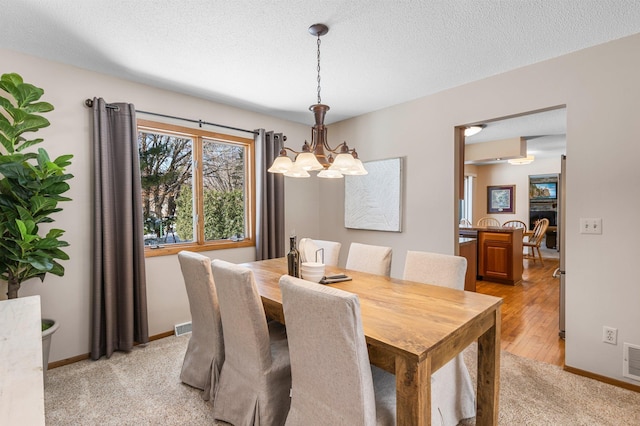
[297,172]
[281,164]
[308,161]
[330,174]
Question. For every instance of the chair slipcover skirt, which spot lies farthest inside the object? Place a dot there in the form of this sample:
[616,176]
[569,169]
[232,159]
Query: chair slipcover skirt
[205,351]
[452,392]
[256,376]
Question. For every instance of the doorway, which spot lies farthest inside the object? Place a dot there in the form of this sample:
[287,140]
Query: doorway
[544,135]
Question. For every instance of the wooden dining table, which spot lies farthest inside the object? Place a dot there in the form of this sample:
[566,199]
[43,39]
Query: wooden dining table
[412,329]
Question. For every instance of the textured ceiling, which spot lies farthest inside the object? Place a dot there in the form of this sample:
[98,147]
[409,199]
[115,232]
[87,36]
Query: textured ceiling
[258,55]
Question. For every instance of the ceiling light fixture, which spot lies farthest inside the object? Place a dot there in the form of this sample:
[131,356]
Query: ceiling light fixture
[521,161]
[474,130]
[312,156]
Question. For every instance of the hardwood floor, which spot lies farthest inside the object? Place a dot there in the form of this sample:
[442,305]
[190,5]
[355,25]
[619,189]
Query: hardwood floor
[530,313]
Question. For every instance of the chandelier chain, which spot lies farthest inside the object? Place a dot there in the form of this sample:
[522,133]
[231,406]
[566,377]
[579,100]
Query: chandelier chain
[319,98]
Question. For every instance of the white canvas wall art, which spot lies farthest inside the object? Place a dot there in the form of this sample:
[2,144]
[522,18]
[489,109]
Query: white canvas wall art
[374,201]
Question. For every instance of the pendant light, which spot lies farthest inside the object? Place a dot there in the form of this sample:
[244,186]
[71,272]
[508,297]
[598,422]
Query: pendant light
[522,161]
[312,156]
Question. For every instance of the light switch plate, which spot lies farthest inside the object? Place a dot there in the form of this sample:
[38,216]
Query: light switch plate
[591,225]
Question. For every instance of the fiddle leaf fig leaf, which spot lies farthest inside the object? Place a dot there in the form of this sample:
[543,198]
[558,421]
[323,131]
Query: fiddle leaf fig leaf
[9,83]
[55,233]
[39,107]
[28,93]
[12,78]
[64,161]
[5,103]
[31,123]
[59,254]
[26,229]
[41,263]
[27,144]
[57,269]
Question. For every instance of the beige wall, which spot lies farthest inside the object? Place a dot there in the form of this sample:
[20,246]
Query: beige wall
[67,299]
[599,86]
[601,91]
[506,174]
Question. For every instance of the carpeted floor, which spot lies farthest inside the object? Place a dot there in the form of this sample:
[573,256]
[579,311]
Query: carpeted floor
[143,388]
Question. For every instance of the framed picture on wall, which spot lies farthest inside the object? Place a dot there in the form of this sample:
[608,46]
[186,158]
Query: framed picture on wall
[374,201]
[501,199]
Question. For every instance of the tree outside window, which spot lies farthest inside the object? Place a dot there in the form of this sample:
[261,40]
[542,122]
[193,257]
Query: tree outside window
[197,187]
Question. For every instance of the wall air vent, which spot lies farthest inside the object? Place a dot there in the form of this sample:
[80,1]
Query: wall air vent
[631,363]
[183,328]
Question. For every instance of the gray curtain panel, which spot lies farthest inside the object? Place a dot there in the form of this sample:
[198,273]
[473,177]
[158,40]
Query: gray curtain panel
[270,230]
[119,295]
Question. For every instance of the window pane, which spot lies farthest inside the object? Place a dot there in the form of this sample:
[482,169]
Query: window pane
[167,182]
[223,170]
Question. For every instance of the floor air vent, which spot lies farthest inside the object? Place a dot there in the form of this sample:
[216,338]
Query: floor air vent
[631,366]
[183,328]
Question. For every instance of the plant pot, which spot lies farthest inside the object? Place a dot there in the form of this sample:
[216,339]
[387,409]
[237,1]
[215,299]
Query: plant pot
[46,345]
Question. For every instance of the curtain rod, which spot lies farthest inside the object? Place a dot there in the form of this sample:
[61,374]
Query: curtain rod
[89,103]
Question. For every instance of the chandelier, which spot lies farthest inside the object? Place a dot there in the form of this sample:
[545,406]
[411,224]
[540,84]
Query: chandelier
[313,156]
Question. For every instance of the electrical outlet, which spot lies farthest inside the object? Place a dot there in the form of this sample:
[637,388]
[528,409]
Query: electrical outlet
[610,335]
[591,225]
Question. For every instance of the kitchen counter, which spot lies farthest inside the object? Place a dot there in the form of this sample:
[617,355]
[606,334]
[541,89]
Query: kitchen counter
[499,253]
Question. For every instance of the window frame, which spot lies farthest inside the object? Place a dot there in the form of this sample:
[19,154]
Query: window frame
[198,135]
[466,207]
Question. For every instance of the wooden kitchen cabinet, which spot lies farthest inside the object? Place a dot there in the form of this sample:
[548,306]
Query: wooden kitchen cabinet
[500,255]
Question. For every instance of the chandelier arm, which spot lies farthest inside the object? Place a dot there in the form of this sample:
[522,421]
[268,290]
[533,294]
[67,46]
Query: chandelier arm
[291,150]
[338,149]
[334,151]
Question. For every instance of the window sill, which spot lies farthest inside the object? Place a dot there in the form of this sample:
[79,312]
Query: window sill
[176,248]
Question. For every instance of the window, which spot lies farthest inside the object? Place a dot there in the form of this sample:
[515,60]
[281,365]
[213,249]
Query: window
[466,204]
[197,189]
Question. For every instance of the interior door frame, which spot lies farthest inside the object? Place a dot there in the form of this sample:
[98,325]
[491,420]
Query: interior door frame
[459,146]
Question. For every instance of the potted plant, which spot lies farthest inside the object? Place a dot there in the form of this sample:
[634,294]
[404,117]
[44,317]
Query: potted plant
[31,186]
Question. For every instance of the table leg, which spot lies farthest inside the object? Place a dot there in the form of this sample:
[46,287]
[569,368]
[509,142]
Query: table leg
[413,392]
[489,374]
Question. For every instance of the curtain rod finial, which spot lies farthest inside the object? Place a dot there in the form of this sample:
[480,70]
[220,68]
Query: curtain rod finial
[89,103]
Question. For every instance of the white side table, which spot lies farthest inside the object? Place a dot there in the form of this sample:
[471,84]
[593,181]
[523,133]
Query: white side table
[21,383]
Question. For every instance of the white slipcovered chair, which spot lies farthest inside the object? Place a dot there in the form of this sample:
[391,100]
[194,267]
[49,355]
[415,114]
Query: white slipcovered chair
[309,247]
[256,376]
[452,392]
[205,352]
[333,382]
[370,259]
